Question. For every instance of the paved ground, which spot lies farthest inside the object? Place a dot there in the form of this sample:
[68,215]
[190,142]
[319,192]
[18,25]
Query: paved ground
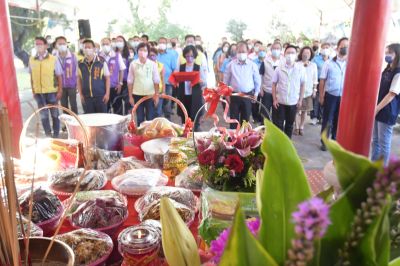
[307,145]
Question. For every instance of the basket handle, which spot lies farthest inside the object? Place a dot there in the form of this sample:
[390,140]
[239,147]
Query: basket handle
[132,125]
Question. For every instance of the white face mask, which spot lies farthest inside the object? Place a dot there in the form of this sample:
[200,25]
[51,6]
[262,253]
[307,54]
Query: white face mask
[114,45]
[276,53]
[81,46]
[242,56]
[198,42]
[290,58]
[162,46]
[89,52]
[225,49]
[120,45]
[132,44]
[169,45]
[325,51]
[106,48]
[256,49]
[250,46]
[189,43]
[62,48]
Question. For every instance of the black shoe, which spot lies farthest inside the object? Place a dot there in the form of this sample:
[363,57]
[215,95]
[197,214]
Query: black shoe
[323,147]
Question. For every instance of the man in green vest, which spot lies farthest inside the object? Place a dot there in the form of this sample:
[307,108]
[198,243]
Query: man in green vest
[43,68]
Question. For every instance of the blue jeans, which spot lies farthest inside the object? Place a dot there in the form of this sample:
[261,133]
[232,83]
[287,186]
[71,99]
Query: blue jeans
[330,115]
[146,108]
[43,99]
[159,112]
[381,141]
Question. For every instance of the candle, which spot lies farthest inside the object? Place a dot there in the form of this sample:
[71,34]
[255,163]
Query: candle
[139,245]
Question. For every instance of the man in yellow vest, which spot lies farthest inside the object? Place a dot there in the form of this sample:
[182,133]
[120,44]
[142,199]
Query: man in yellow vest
[44,67]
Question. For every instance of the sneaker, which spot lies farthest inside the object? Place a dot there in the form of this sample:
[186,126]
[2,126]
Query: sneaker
[323,147]
[314,121]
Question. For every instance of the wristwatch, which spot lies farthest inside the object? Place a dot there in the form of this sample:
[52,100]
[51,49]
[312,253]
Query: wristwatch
[121,83]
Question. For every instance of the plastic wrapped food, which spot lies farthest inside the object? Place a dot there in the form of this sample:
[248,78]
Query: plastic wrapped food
[191,178]
[180,195]
[35,231]
[98,209]
[66,181]
[45,205]
[218,211]
[139,181]
[186,146]
[90,247]
[156,225]
[103,159]
[125,164]
[159,128]
[152,211]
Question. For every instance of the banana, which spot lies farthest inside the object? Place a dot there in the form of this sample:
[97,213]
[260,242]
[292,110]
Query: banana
[178,243]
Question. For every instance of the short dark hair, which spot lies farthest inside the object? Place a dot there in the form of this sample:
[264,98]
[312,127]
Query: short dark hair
[189,48]
[162,38]
[153,50]
[258,42]
[189,36]
[200,48]
[60,38]
[290,46]
[230,48]
[302,50]
[145,36]
[89,41]
[242,43]
[143,45]
[135,36]
[41,38]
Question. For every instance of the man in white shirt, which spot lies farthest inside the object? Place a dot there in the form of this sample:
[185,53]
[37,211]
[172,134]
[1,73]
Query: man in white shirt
[287,91]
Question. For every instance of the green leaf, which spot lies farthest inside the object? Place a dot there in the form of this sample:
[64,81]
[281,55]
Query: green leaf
[395,262]
[374,248]
[356,174]
[284,186]
[242,248]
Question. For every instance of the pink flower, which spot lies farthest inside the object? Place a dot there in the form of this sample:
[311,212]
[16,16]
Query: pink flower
[247,142]
[203,144]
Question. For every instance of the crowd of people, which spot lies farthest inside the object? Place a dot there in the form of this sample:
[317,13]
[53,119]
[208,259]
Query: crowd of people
[283,82]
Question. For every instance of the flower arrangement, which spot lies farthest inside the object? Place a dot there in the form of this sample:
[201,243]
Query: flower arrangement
[229,160]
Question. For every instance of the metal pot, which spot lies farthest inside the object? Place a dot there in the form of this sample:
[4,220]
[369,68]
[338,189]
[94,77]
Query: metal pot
[105,131]
[60,253]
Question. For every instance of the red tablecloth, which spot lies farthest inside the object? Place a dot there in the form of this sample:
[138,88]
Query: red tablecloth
[133,219]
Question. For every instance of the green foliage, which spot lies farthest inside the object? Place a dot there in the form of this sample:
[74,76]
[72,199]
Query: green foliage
[155,29]
[281,30]
[236,28]
[284,186]
[242,248]
[395,262]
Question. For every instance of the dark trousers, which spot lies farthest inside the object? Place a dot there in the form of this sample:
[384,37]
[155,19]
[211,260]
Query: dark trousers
[125,93]
[145,109]
[267,102]
[43,99]
[166,106]
[317,107]
[255,111]
[68,99]
[115,102]
[240,109]
[330,115]
[94,105]
[284,117]
[187,102]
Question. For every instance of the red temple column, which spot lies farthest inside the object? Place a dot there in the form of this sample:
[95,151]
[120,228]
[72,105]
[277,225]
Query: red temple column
[8,81]
[367,46]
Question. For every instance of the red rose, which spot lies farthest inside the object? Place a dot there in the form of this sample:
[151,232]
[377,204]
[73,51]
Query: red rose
[234,163]
[207,157]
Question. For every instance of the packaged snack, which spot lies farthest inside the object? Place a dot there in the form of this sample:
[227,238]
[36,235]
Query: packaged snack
[186,146]
[180,195]
[100,211]
[90,247]
[35,231]
[125,164]
[103,159]
[159,128]
[138,181]
[155,150]
[66,181]
[191,178]
[45,205]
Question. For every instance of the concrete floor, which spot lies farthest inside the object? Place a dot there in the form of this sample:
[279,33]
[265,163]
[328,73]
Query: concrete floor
[307,145]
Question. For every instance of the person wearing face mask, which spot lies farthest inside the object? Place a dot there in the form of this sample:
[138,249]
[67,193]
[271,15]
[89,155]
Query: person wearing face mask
[144,80]
[250,46]
[116,67]
[388,108]
[200,58]
[80,55]
[223,55]
[153,55]
[256,49]
[144,38]
[50,44]
[243,76]
[261,55]
[191,95]
[271,62]
[123,50]
[288,83]
[114,44]
[168,58]
[232,53]
[69,64]
[93,81]
[305,56]
[331,89]
[319,60]
[315,47]
[45,71]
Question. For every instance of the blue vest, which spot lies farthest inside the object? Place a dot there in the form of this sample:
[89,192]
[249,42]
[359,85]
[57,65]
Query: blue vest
[335,78]
[93,80]
[389,113]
